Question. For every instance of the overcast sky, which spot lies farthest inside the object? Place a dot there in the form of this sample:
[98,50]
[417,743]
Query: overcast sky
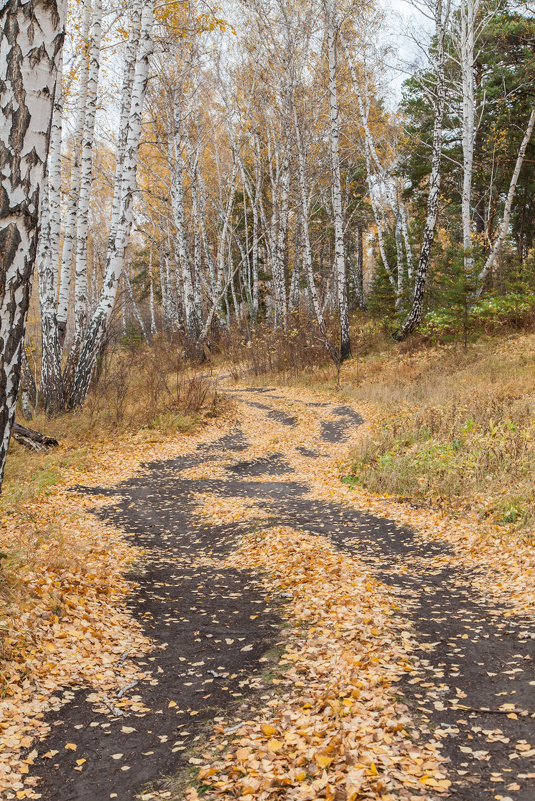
[405,26]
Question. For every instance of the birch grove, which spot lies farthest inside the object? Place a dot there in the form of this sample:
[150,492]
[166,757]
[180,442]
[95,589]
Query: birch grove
[192,178]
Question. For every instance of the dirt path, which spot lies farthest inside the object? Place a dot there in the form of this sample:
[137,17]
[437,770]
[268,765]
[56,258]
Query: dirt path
[212,626]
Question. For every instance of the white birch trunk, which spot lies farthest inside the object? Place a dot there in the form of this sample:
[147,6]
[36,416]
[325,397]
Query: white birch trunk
[339,256]
[153,327]
[54,177]
[176,165]
[51,378]
[95,336]
[504,225]
[281,303]
[82,223]
[31,39]
[124,127]
[135,307]
[467,23]
[74,190]
[415,315]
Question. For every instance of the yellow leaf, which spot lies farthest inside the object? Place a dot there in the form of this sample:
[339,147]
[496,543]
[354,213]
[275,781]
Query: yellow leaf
[274,746]
[172,703]
[80,761]
[373,769]
[300,775]
[323,760]
[71,746]
[268,729]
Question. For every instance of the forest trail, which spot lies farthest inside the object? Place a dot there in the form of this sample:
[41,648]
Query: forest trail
[215,628]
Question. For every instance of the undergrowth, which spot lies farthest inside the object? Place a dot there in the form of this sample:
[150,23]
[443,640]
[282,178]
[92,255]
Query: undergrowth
[456,429]
[149,393]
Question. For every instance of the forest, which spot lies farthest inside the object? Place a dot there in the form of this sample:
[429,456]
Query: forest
[267,440]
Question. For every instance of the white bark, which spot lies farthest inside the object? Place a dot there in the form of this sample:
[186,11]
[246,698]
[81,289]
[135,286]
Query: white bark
[82,223]
[281,303]
[54,177]
[94,338]
[31,39]
[126,105]
[339,250]
[441,16]
[153,327]
[504,225]
[135,307]
[74,190]
[466,32]
[176,165]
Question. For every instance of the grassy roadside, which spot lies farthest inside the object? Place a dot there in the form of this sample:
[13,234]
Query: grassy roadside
[456,430]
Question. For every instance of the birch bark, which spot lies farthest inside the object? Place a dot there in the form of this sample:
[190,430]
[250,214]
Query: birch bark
[466,42]
[96,332]
[74,190]
[339,250]
[504,225]
[82,223]
[176,165]
[31,39]
[441,15]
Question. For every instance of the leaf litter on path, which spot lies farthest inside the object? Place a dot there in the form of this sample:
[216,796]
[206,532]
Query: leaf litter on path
[335,729]
[334,756]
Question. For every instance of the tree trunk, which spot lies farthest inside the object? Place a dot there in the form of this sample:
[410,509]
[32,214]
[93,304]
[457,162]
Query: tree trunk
[339,250]
[415,315]
[82,223]
[466,41]
[31,39]
[96,332]
[74,190]
[32,439]
[176,166]
[48,262]
[51,378]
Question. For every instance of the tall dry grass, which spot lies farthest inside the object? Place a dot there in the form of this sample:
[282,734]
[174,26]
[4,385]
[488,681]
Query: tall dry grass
[139,389]
[457,428]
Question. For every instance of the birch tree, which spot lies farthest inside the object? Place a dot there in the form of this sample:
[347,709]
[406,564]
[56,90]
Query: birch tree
[31,40]
[331,31]
[135,87]
[74,189]
[86,168]
[441,12]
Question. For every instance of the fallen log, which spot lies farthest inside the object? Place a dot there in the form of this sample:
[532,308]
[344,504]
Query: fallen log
[32,439]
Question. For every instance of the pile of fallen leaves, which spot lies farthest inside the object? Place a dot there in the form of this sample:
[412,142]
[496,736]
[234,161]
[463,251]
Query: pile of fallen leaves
[68,628]
[336,731]
[63,620]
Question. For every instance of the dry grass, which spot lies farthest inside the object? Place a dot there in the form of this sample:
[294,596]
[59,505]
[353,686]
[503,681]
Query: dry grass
[296,354]
[140,389]
[457,427]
